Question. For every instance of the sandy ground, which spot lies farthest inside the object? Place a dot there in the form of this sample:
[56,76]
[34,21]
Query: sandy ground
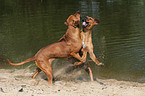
[18,82]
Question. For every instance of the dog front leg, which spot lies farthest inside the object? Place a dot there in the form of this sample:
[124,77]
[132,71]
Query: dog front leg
[77,56]
[93,57]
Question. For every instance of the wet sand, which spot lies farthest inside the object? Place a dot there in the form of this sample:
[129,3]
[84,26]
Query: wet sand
[18,82]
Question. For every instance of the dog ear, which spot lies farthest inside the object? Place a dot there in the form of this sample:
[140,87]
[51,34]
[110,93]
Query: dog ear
[66,23]
[96,22]
[77,13]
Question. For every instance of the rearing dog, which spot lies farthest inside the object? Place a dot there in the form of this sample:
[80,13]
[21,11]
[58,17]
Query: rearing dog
[65,48]
[86,35]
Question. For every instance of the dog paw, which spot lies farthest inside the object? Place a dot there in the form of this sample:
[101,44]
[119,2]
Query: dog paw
[100,64]
[77,63]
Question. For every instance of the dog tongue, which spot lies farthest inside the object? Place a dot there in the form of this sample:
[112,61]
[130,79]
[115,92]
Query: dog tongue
[84,23]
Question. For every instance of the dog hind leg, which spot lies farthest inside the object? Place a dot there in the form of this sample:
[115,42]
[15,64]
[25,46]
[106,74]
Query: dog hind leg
[45,66]
[90,73]
[36,72]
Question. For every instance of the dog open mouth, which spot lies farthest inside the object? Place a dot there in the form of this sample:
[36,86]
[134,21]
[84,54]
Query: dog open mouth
[77,23]
[85,24]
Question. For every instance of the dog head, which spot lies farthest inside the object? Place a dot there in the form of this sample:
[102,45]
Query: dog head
[73,20]
[88,22]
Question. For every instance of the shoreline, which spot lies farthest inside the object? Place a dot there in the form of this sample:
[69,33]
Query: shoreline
[18,82]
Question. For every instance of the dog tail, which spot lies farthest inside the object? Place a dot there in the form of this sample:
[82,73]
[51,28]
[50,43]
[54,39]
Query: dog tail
[21,63]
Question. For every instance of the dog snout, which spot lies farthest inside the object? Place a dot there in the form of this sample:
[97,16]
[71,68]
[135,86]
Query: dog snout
[84,21]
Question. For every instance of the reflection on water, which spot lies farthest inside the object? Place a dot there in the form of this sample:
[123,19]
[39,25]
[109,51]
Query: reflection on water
[28,25]
[124,40]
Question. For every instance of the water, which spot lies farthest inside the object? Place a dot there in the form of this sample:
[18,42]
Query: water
[28,25]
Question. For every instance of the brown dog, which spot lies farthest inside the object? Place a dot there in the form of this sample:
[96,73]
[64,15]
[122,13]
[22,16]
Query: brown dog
[65,48]
[86,35]
[87,26]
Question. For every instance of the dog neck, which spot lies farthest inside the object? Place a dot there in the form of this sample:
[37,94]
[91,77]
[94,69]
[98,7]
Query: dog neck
[86,31]
[73,33]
